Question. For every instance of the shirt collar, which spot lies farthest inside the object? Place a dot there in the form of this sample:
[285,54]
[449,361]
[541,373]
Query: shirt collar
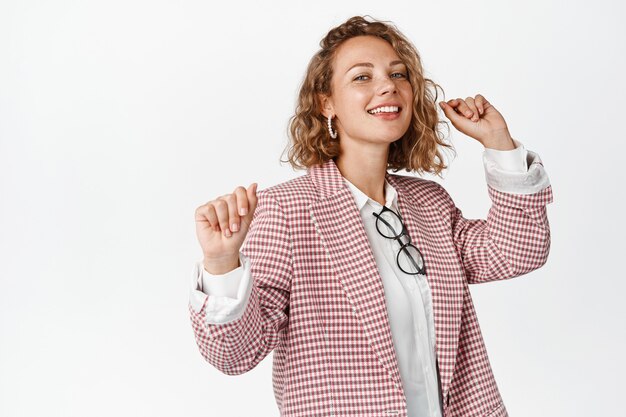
[362,199]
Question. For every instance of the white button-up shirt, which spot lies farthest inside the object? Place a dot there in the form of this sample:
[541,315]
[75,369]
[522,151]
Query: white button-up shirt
[410,310]
[408,297]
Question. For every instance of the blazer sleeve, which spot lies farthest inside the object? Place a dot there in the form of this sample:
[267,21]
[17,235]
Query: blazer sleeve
[236,346]
[515,237]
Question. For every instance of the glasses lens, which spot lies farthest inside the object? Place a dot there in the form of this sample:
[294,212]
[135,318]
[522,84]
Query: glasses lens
[389,224]
[410,261]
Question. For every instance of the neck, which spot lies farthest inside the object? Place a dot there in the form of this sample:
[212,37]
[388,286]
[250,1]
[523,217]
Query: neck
[366,169]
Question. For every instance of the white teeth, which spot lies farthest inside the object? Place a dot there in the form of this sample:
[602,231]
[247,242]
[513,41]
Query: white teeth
[384,109]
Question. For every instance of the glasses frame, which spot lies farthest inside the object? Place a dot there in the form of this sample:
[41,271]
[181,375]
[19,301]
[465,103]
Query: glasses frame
[403,246]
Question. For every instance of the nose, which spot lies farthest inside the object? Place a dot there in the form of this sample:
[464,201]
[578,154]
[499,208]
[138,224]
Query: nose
[386,86]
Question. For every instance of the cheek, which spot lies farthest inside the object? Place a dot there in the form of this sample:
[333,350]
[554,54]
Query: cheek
[407,91]
[408,96]
[358,99]
[354,104]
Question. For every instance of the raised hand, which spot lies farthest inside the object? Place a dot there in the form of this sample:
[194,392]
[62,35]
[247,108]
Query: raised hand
[479,119]
[221,228]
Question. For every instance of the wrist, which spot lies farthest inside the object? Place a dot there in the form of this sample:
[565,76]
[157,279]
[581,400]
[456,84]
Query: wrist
[221,266]
[500,141]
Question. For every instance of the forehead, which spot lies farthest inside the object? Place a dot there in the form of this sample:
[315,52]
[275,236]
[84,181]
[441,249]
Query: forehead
[364,49]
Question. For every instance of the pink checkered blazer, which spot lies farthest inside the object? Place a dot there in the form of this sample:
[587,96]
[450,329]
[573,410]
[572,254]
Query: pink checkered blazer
[317,298]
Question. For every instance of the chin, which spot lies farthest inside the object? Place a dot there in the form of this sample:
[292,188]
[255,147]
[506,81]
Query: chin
[392,136]
[390,131]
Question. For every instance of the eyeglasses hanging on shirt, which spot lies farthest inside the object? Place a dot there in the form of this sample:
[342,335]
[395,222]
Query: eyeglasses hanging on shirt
[389,224]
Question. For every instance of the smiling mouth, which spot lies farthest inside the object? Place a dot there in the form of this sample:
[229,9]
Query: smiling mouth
[385,109]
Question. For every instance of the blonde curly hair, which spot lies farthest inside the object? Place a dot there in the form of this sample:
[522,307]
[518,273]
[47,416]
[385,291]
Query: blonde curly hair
[419,149]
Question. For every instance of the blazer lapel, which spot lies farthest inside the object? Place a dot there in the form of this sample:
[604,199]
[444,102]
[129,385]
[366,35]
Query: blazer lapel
[422,221]
[340,227]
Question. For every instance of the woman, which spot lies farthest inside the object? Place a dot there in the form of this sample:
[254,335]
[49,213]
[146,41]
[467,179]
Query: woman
[358,278]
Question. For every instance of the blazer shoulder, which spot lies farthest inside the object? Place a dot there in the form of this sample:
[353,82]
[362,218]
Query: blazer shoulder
[291,193]
[426,192]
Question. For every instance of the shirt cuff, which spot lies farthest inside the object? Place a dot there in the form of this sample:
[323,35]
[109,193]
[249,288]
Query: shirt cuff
[513,160]
[225,296]
[503,170]
[222,285]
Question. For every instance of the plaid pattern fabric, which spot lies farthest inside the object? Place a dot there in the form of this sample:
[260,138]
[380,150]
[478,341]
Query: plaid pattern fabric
[318,302]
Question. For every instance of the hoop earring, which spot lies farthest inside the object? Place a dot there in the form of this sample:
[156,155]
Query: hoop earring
[330,129]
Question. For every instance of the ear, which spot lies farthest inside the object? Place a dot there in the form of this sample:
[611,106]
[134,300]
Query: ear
[326,105]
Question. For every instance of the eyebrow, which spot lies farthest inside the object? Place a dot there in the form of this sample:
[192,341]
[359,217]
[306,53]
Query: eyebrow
[370,65]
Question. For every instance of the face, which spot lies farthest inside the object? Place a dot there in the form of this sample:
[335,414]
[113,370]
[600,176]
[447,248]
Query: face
[368,74]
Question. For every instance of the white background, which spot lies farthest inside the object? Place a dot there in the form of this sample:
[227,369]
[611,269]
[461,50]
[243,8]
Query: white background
[119,118]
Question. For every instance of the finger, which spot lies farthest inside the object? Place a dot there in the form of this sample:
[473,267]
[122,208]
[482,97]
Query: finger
[252,197]
[221,209]
[252,202]
[220,223]
[242,201]
[472,105]
[464,109]
[486,105]
[241,207]
[210,214]
[460,107]
[233,216]
[480,103]
[201,216]
[451,114]
[206,214]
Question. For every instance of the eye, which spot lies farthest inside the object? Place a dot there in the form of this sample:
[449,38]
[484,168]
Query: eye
[401,75]
[360,78]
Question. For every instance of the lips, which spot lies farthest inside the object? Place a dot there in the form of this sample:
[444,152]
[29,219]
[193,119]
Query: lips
[385,108]
[386,116]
